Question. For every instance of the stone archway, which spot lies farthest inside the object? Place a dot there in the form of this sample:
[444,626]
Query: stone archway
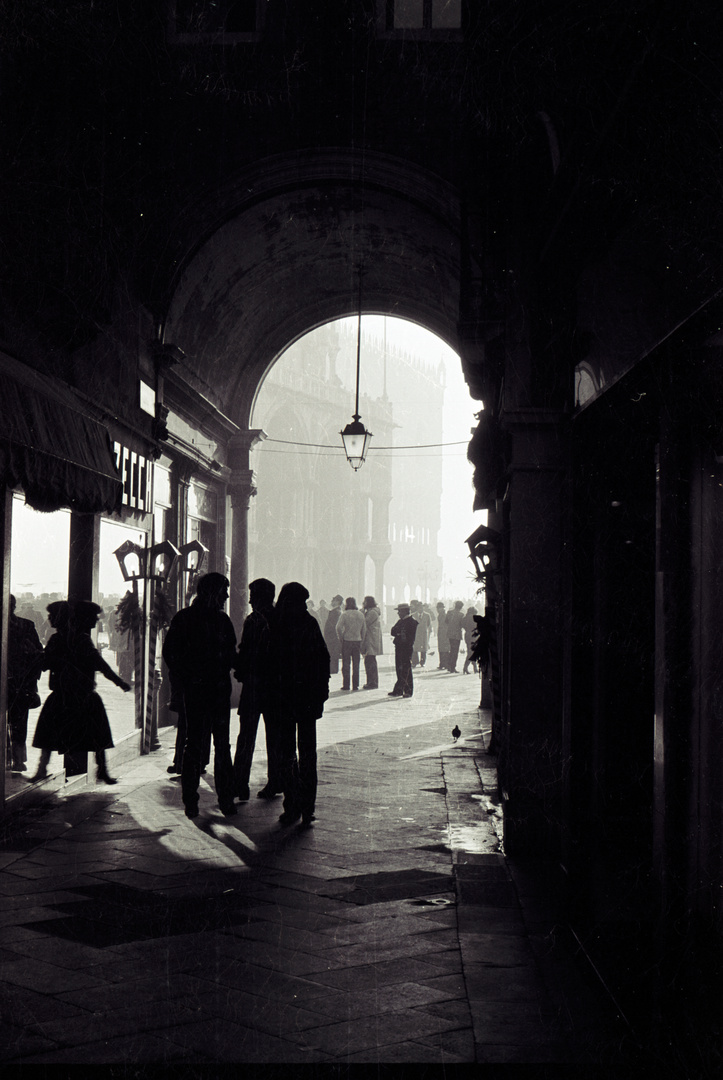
[277,252]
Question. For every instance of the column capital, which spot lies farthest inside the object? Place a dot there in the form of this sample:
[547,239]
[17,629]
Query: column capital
[182,471]
[240,446]
[242,487]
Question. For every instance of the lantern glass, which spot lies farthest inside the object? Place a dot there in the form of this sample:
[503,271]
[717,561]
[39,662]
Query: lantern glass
[356,439]
[131,560]
[132,564]
[193,555]
[160,566]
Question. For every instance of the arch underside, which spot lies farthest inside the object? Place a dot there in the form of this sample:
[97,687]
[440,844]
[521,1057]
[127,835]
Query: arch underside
[289,261]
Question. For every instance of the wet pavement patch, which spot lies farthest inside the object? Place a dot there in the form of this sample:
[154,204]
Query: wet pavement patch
[115,914]
[434,901]
[388,885]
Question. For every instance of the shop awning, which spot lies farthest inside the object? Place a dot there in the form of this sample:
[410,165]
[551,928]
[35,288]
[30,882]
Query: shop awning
[56,454]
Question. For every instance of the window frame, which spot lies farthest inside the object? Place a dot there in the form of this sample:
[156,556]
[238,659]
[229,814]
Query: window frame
[427,32]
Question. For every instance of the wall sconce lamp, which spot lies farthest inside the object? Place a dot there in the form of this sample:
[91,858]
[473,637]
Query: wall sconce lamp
[154,563]
[193,556]
[161,560]
[483,551]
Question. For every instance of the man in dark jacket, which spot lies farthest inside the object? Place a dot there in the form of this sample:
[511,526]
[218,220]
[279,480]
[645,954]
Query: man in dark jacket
[24,664]
[200,651]
[404,631]
[250,667]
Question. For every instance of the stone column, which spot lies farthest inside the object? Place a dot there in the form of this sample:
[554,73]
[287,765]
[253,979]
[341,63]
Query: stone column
[84,566]
[177,531]
[531,752]
[83,581]
[242,488]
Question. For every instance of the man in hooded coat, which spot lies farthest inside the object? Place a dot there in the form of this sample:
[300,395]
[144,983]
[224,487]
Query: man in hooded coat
[200,651]
[298,686]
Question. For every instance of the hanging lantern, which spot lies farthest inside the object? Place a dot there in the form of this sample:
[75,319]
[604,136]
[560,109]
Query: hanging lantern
[355,438]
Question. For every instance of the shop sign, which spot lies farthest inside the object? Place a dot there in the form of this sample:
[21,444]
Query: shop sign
[135,472]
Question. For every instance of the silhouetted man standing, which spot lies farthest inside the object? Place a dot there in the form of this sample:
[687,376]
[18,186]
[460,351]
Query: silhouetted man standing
[403,632]
[250,670]
[24,664]
[200,650]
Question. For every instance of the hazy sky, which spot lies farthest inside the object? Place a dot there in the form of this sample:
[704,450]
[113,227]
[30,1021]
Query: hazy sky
[458,519]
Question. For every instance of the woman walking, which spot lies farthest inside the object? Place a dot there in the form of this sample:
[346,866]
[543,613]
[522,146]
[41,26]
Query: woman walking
[73,718]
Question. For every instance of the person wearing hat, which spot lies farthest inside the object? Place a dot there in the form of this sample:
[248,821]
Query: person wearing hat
[73,718]
[331,638]
[200,651]
[403,632]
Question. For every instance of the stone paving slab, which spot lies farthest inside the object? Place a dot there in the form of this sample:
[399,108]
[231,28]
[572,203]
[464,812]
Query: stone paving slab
[219,1040]
[391,932]
[367,1033]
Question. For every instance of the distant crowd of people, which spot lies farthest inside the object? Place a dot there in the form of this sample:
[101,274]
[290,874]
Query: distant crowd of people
[350,634]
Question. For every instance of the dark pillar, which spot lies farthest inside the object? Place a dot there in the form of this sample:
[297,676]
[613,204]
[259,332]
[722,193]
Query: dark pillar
[178,532]
[83,579]
[242,489]
[530,762]
[83,569]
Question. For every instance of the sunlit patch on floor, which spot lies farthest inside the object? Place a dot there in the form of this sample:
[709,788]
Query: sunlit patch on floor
[474,839]
[430,750]
[434,901]
[232,837]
